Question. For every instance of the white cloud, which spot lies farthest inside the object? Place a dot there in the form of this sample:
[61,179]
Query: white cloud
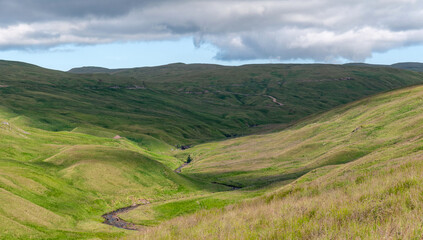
[323,30]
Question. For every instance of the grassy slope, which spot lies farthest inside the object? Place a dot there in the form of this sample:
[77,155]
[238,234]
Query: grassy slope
[57,184]
[187,104]
[366,182]
[261,159]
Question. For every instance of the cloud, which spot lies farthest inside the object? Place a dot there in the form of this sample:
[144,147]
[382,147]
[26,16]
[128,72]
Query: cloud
[322,30]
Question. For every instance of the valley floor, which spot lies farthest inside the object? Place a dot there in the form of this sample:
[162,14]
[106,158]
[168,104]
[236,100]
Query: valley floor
[354,172]
[361,177]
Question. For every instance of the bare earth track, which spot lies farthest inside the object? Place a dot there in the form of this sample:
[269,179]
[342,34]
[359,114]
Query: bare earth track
[275,100]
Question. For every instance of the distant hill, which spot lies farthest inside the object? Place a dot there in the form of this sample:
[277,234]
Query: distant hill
[185,104]
[412,66]
[87,70]
[172,66]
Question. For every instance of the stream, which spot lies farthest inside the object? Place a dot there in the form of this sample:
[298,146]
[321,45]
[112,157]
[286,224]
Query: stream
[112,218]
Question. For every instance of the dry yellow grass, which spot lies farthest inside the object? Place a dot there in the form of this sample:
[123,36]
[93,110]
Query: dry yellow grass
[376,195]
[384,201]
[339,136]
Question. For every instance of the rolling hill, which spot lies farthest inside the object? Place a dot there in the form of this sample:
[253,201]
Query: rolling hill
[353,172]
[176,105]
[56,185]
[76,146]
[92,69]
[412,66]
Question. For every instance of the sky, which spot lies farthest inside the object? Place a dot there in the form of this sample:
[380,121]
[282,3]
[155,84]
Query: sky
[61,34]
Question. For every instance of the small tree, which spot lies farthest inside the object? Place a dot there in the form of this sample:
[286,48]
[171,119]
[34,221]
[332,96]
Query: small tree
[189,159]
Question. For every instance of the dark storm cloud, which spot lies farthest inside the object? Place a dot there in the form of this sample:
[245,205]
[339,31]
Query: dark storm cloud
[323,30]
[13,11]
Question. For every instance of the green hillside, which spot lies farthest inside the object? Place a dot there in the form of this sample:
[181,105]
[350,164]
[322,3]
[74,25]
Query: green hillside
[178,104]
[76,146]
[354,172]
[56,185]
